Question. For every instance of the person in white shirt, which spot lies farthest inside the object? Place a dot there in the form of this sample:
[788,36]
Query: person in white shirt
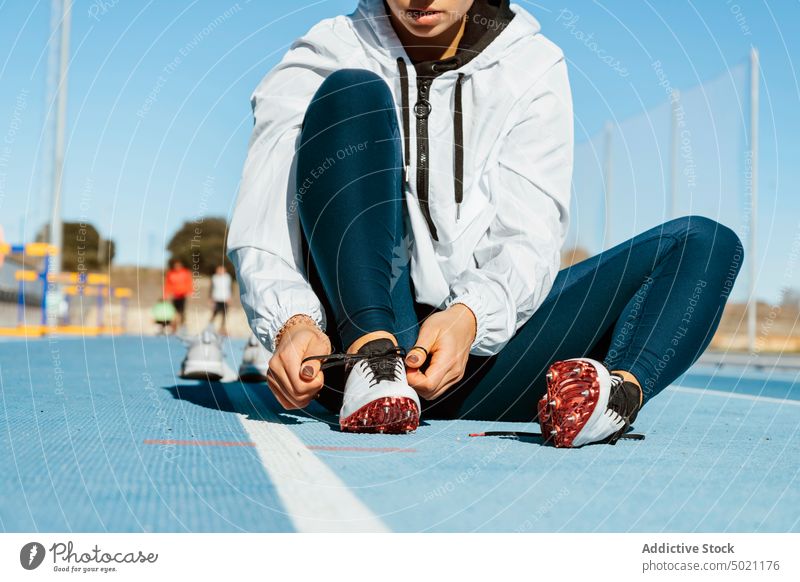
[221,284]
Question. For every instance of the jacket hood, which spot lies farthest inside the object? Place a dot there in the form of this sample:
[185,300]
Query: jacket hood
[375,29]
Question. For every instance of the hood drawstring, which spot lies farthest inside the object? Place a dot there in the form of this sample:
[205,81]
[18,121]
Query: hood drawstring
[401,65]
[458,134]
[458,147]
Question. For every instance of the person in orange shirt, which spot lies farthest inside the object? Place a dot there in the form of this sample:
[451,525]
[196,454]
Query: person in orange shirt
[178,285]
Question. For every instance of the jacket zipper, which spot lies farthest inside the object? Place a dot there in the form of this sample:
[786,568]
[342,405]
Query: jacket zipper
[422,110]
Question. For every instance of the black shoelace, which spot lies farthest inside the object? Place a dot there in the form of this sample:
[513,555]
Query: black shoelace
[383,364]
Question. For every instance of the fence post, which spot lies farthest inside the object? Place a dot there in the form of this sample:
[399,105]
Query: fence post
[752,302]
[607,162]
[673,153]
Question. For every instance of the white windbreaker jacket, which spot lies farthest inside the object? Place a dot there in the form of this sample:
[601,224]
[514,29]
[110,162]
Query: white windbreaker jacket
[498,250]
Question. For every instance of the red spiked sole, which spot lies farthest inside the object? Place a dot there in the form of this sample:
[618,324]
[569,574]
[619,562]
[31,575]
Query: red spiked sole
[572,394]
[388,415]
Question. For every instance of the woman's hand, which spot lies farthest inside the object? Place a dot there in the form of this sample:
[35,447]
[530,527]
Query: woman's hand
[447,335]
[296,384]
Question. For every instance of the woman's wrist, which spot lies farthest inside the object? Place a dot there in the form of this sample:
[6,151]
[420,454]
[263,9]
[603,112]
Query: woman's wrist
[299,319]
[466,311]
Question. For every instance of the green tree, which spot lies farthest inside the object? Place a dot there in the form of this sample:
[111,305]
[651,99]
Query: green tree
[84,249]
[200,244]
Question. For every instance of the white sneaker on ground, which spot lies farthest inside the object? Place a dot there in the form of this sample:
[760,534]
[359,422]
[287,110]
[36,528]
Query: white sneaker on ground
[204,359]
[377,397]
[255,362]
[585,403]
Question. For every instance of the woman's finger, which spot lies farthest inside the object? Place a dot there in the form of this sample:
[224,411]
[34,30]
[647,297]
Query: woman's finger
[419,381]
[310,371]
[301,372]
[283,384]
[446,385]
[301,389]
[428,380]
[443,362]
[277,391]
[422,348]
[441,367]
[421,386]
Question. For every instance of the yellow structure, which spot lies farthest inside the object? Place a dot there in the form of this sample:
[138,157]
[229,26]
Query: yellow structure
[95,285]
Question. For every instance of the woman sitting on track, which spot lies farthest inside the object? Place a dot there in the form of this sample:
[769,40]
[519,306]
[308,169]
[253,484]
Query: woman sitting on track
[407,192]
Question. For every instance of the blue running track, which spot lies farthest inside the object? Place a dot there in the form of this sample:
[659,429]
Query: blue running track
[100,435]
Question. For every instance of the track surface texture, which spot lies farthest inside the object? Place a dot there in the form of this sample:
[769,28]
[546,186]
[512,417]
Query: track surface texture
[101,435]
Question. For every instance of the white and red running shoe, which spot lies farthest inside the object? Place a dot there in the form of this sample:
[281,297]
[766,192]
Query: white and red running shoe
[377,397]
[585,403]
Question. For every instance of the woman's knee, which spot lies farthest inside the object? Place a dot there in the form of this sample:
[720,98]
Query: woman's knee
[346,90]
[707,232]
[713,239]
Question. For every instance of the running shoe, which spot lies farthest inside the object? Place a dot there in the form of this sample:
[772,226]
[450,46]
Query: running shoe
[377,397]
[585,403]
[255,362]
[204,359]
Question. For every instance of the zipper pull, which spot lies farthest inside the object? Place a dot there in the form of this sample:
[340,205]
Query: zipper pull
[422,108]
[458,211]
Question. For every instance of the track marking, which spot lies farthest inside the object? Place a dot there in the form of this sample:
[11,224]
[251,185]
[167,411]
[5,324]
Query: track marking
[252,444]
[200,443]
[722,393]
[316,500]
[360,449]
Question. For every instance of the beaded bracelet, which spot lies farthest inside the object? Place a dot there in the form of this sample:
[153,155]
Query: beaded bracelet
[291,322]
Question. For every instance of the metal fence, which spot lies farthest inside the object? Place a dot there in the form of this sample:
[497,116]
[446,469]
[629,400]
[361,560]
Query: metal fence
[694,153]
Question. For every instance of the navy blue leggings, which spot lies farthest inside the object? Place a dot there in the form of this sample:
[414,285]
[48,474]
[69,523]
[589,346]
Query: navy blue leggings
[649,305]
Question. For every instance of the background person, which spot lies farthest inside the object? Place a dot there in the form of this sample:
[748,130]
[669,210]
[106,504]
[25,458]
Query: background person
[178,286]
[221,285]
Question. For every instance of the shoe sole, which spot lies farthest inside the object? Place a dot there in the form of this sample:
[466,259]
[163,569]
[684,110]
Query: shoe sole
[573,390]
[203,371]
[387,415]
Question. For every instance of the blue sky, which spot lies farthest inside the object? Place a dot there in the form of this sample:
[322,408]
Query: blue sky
[159,109]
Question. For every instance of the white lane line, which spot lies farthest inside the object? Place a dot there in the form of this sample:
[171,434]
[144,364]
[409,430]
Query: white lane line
[314,497]
[731,395]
